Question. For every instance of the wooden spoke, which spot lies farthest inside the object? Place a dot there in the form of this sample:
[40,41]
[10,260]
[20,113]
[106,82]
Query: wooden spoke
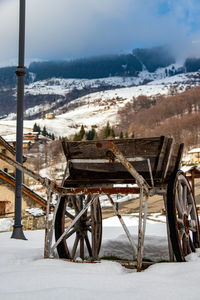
[69,215]
[70,233]
[75,246]
[180,195]
[88,198]
[88,245]
[181,233]
[73,198]
[189,209]
[81,199]
[193,226]
[82,247]
[180,222]
[185,195]
[89,223]
[179,207]
[88,218]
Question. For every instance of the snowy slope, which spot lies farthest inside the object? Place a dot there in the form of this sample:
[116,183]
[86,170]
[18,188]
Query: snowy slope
[96,108]
[60,86]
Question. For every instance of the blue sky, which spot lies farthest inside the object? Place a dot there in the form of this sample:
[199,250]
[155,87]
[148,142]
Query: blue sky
[65,29]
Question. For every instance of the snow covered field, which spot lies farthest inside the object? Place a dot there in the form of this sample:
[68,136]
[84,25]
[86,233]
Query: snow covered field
[24,274]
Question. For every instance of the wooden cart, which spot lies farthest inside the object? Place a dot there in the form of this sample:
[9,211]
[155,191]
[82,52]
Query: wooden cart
[146,166]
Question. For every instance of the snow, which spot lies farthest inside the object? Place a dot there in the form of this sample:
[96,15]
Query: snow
[96,108]
[5,224]
[93,109]
[194,150]
[36,212]
[24,274]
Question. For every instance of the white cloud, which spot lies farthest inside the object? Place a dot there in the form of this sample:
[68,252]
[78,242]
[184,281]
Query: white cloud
[74,28]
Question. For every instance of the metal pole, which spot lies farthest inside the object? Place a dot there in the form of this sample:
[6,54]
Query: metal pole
[20,72]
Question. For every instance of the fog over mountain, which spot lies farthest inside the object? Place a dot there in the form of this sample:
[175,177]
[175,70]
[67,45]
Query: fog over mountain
[75,28]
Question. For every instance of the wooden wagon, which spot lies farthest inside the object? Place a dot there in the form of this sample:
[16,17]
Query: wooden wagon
[146,166]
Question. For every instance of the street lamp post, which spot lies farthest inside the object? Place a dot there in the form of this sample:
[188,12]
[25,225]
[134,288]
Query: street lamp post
[20,72]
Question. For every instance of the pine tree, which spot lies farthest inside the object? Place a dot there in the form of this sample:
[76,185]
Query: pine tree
[121,135]
[36,128]
[112,133]
[133,135]
[91,134]
[95,136]
[76,137]
[107,130]
[44,131]
[82,132]
[126,135]
[79,136]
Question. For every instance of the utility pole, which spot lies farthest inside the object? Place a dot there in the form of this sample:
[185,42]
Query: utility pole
[20,72]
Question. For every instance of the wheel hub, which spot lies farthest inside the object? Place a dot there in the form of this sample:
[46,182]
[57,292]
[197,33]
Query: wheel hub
[81,225]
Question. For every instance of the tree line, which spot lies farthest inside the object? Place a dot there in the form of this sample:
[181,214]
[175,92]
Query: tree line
[43,131]
[107,132]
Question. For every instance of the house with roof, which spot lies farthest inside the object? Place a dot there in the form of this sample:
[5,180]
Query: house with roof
[194,155]
[7,186]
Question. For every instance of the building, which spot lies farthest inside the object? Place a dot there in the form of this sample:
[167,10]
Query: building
[9,151]
[194,155]
[7,186]
[49,116]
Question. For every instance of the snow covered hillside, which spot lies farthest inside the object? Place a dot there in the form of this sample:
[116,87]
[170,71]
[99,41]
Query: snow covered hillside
[95,108]
[25,274]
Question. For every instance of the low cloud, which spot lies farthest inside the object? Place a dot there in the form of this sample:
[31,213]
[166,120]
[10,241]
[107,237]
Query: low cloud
[74,28]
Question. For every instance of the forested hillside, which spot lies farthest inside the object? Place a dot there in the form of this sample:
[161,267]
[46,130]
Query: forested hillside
[177,116]
[93,67]
[154,58]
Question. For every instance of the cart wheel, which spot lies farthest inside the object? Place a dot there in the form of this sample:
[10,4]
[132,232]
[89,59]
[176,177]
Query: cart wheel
[84,238]
[182,217]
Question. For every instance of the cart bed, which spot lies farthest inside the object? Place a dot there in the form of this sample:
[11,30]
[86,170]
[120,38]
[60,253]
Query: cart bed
[91,165]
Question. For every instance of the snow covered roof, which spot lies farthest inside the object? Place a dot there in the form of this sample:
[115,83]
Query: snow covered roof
[36,212]
[186,169]
[7,145]
[194,150]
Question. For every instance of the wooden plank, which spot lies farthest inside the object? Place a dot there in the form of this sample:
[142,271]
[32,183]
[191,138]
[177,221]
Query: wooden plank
[175,161]
[112,167]
[147,147]
[167,157]
[160,157]
[103,177]
[179,157]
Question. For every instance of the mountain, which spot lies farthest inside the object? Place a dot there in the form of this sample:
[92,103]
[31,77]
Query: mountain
[96,91]
[94,67]
[97,108]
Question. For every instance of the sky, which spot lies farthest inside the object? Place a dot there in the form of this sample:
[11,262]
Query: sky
[68,29]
